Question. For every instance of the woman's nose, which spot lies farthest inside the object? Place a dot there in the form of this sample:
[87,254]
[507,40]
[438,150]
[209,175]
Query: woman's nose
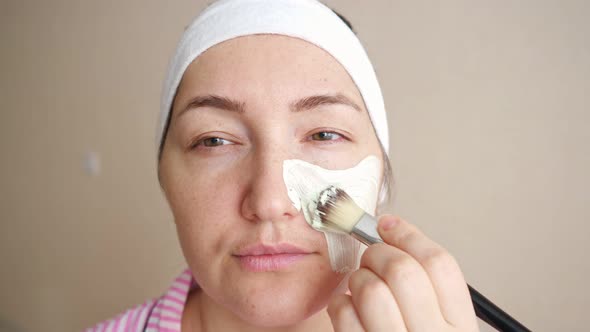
[266,197]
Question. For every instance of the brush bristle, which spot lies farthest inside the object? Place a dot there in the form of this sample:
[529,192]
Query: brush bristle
[338,211]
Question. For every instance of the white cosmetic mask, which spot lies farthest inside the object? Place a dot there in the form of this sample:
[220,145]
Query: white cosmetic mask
[304,183]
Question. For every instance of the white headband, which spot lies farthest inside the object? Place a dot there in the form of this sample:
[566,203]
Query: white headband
[308,20]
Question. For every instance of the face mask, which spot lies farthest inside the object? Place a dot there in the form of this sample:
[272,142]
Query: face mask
[304,183]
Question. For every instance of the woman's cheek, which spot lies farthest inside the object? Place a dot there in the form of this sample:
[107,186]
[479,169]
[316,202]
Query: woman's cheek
[208,194]
[203,223]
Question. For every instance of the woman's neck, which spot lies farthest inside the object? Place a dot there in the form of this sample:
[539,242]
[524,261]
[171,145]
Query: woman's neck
[202,314]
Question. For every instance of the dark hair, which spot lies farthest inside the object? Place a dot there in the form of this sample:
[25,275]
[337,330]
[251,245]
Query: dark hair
[345,20]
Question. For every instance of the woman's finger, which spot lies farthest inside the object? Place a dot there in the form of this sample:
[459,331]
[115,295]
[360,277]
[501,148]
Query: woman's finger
[409,284]
[447,279]
[374,303]
[343,315]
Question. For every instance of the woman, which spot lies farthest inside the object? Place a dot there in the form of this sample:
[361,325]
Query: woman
[253,84]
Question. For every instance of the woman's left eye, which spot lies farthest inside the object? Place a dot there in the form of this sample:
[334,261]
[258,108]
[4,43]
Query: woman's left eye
[326,136]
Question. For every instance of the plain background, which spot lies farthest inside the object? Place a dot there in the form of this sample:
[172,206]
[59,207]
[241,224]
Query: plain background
[488,107]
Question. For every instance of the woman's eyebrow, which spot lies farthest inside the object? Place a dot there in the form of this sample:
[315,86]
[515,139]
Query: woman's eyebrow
[307,103]
[311,102]
[213,101]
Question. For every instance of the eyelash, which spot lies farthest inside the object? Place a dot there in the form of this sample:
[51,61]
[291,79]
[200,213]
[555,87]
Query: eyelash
[332,133]
[200,142]
[339,137]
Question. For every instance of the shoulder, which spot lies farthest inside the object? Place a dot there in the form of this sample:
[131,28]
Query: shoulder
[161,314]
[134,319]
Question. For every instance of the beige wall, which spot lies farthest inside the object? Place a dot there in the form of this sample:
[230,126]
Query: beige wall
[489,112]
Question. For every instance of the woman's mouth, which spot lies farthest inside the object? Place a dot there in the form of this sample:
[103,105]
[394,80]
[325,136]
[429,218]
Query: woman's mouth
[263,258]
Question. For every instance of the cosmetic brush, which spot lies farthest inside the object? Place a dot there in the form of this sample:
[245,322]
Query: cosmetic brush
[339,213]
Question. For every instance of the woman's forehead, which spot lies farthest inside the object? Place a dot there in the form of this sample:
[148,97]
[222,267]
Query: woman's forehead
[268,46]
[273,63]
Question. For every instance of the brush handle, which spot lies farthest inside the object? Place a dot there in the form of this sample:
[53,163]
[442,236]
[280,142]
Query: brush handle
[494,316]
[365,231]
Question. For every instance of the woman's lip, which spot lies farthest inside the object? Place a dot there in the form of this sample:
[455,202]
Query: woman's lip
[259,257]
[259,249]
[269,262]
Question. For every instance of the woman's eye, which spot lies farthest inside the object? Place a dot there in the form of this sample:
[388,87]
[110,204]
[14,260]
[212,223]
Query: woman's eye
[210,142]
[326,136]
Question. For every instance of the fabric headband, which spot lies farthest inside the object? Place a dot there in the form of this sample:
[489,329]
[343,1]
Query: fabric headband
[308,20]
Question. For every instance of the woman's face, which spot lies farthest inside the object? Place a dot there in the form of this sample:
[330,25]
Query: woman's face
[242,108]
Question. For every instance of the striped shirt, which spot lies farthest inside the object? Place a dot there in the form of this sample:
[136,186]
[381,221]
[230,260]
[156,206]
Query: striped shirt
[163,314]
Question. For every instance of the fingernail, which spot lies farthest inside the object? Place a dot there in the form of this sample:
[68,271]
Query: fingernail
[388,223]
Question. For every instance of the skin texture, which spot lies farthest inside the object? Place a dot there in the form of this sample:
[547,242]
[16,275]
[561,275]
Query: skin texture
[221,172]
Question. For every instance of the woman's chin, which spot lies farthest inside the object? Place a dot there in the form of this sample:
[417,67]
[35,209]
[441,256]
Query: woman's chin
[274,302]
[282,310]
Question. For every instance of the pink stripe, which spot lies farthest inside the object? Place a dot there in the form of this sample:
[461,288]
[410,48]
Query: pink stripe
[168,297]
[136,321]
[163,316]
[170,308]
[166,319]
[167,329]
[184,282]
[108,324]
[159,328]
[178,290]
[117,322]
[170,319]
[133,317]
[127,325]
[160,309]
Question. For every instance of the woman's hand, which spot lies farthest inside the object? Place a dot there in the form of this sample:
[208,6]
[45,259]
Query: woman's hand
[409,283]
